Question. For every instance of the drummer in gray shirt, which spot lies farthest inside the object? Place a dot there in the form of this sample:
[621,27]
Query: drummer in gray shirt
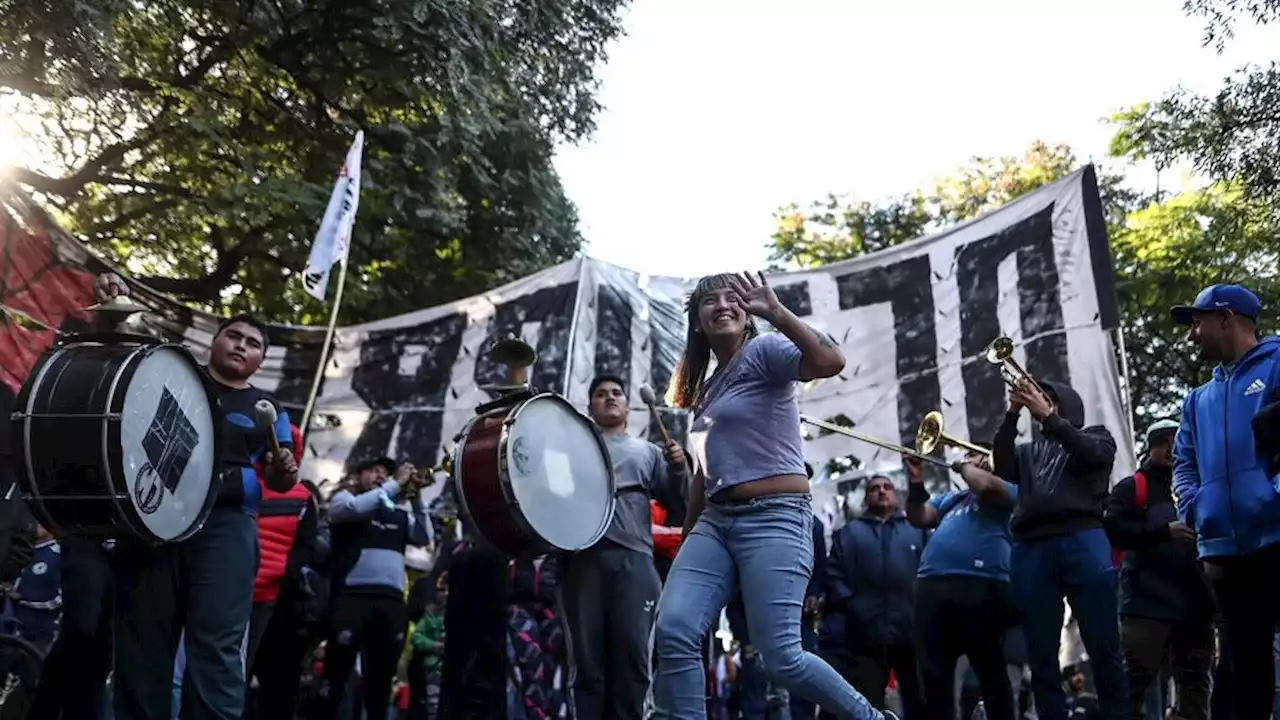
[611,590]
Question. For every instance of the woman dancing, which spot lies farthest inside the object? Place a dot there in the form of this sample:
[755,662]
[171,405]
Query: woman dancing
[749,520]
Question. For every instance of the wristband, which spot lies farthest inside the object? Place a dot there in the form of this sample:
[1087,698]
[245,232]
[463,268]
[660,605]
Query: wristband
[916,494]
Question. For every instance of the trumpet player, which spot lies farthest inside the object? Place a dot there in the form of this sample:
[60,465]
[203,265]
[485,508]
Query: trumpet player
[1060,549]
[963,602]
[370,529]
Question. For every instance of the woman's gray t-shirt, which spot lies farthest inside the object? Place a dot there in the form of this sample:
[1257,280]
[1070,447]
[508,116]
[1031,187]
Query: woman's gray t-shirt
[747,426]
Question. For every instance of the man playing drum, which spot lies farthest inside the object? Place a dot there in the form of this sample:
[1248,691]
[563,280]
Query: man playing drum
[612,587]
[204,584]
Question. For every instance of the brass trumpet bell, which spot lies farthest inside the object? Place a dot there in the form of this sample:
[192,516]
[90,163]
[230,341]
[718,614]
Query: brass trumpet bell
[517,355]
[446,463]
[1000,352]
[932,433]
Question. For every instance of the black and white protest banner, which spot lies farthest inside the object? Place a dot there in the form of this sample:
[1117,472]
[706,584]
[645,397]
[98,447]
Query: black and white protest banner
[913,321]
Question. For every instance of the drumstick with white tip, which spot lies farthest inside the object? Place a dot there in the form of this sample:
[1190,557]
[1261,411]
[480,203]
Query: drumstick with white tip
[651,400]
[265,413]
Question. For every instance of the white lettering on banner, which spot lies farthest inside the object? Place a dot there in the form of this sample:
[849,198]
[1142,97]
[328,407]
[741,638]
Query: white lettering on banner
[913,322]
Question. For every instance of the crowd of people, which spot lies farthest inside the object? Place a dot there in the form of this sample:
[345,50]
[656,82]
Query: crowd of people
[294,602]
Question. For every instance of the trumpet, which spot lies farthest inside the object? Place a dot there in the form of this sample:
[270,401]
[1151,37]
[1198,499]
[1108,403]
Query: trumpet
[932,433]
[1000,352]
[849,432]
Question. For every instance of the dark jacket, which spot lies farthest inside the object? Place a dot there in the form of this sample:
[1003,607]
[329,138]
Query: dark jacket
[870,576]
[1062,475]
[1160,579]
[17,527]
[1266,433]
[817,580]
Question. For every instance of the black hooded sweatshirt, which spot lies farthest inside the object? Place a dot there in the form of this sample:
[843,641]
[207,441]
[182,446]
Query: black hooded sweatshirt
[1063,475]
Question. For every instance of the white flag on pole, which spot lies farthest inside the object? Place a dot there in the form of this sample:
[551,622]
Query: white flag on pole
[334,236]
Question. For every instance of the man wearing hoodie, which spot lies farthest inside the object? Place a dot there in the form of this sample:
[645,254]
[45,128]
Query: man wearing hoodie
[1222,484]
[1166,614]
[1060,549]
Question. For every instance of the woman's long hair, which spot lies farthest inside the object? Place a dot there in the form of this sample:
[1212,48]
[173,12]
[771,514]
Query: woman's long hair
[691,371]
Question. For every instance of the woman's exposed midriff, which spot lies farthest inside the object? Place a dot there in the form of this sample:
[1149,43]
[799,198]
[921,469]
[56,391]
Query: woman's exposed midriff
[775,485]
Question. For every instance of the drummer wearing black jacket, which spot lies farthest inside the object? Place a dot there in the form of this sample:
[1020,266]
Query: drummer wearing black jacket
[1166,613]
[202,585]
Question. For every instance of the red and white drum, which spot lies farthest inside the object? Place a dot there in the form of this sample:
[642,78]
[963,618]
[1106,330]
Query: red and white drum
[535,477]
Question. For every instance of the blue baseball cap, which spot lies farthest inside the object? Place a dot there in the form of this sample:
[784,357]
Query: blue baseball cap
[1219,297]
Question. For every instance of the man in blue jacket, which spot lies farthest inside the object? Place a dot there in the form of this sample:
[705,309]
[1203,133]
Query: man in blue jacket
[867,609]
[1222,487]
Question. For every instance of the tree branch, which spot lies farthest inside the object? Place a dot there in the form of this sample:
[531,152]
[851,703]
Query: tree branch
[158,188]
[207,288]
[88,173]
[109,228]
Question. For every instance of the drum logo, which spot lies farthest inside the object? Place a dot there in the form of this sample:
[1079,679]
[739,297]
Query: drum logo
[168,444]
[520,456]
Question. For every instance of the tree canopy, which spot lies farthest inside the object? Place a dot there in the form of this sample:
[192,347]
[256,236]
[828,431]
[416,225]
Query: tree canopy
[1229,135]
[199,142]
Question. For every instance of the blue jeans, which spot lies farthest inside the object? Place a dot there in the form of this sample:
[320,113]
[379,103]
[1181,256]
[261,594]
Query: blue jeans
[764,547]
[180,672]
[802,709]
[1078,567]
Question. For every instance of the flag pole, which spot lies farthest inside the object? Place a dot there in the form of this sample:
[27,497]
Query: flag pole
[333,243]
[324,350]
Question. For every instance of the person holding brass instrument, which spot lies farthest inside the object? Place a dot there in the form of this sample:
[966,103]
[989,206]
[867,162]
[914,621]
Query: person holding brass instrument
[612,587]
[370,528]
[1060,547]
[963,603]
[750,513]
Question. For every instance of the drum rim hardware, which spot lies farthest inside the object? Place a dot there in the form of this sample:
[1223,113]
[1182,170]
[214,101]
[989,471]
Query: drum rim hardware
[504,474]
[537,543]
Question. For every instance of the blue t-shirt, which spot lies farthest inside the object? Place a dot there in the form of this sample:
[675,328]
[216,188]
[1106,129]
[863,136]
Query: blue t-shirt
[747,426]
[971,539]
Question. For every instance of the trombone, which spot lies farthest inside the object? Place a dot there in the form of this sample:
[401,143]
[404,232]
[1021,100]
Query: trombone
[932,433]
[1000,352]
[847,432]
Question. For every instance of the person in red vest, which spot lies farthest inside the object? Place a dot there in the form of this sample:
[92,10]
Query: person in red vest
[286,530]
[666,539]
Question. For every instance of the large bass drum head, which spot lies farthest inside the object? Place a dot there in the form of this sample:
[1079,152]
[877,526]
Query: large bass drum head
[167,443]
[560,473]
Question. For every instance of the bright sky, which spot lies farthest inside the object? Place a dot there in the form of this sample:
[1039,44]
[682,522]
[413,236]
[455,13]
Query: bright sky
[719,111]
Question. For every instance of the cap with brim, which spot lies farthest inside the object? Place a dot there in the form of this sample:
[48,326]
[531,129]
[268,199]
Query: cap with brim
[1160,426]
[383,462]
[1237,299]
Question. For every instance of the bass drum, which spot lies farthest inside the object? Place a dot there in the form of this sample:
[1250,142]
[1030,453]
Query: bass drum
[535,477]
[115,435]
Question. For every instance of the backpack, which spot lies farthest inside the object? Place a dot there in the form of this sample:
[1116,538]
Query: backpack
[1140,502]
